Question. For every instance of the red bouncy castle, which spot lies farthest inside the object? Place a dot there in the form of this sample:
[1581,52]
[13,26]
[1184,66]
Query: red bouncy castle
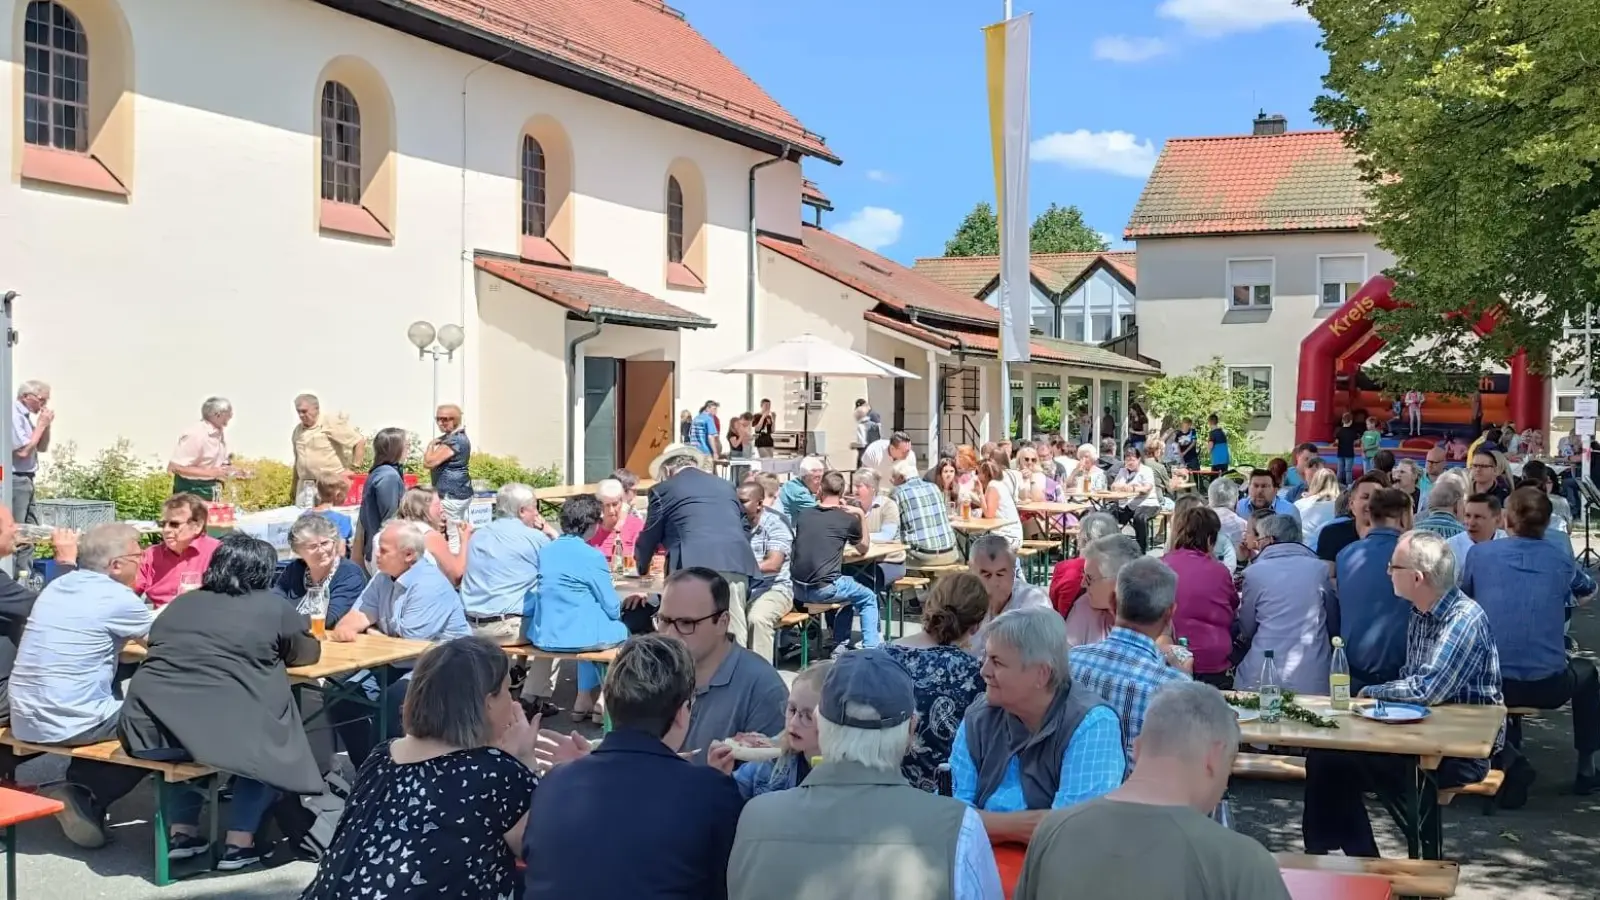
[1345,340]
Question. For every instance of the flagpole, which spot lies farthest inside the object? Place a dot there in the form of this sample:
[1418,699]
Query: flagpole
[1000,345]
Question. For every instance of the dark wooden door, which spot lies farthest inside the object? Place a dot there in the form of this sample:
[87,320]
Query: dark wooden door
[647,422]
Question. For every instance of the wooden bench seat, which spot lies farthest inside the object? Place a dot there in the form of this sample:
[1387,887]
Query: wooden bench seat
[1042,545]
[935,571]
[817,609]
[527,651]
[1488,787]
[1270,766]
[911,583]
[1407,877]
[794,619]
[111,752]
[1526,711]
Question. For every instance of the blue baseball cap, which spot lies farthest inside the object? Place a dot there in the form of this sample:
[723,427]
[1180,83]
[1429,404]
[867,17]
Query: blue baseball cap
[873,678]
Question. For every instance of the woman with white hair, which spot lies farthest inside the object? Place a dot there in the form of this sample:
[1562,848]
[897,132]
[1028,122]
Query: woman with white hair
[1066,581]
[1223,496]
[320,581]
[1033,742]
[1088,472]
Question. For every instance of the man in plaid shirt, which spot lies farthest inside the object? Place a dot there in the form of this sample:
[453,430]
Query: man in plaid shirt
[924,519]
[1450,658]
[1127,668]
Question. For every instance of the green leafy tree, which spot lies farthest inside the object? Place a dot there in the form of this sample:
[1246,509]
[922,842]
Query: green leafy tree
[1061,229]
[977,235]
[1478,125]
[1199,394]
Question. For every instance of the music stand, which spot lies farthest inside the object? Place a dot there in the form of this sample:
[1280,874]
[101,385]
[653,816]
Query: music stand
[1589,558]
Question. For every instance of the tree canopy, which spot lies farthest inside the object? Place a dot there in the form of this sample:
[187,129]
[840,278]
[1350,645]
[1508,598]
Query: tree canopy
[1200,393]
[1059,229]
[1479,126]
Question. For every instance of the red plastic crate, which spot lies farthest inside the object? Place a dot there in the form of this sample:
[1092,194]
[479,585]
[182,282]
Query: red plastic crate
[358,484]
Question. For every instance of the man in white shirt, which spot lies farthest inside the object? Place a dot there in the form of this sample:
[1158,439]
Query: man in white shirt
[1482,518]
[66,664]
[881,455]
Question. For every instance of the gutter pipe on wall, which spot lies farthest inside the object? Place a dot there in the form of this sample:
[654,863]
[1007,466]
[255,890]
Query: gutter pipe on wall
[572,395]
[750,275]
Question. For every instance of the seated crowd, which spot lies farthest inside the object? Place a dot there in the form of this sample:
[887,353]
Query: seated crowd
[1084,721]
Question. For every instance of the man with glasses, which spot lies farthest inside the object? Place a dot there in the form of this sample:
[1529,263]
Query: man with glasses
[61,685]
[736,691]
[446,457]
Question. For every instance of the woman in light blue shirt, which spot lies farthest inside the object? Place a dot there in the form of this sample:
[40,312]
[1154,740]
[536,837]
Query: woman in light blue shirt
[575,607]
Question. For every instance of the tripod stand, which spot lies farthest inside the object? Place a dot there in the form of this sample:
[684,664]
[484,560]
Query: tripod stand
[1590,557]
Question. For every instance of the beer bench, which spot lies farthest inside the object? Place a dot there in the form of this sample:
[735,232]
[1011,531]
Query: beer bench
[1407,877]
[166,774]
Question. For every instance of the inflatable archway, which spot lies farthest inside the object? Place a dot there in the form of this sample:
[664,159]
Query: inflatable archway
[1345,339]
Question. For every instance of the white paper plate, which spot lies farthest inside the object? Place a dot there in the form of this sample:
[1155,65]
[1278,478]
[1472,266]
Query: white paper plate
[1393,713]
[1246,715]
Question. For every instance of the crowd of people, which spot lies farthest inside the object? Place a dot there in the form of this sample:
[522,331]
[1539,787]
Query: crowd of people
[1084,719]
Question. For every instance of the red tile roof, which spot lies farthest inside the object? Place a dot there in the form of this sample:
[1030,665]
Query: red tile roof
[880,278]
[644,44]
[1299,181]
[1057,272]
[589,293]
[1065,353]
[909,330]
[810,191]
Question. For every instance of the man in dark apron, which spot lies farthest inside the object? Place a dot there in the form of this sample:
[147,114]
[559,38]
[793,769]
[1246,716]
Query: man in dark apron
[201,461]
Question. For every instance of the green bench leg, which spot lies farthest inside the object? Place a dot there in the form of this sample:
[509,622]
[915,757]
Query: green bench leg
[11,862]
[163,865]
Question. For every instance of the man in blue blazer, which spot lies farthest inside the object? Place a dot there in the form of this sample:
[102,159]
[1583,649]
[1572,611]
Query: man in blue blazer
[696,516]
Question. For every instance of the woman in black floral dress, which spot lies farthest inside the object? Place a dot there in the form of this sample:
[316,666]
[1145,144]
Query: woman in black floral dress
[439,813]
[946,675]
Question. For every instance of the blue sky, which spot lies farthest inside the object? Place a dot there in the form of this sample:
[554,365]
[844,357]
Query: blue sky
[896,86]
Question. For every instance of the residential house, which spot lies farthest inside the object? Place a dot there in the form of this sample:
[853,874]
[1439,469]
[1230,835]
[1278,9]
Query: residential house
[1245,244]
[945,336]
[1080,297]
[256,198]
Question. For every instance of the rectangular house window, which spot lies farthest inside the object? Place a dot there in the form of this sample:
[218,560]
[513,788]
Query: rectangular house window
[1250,283]
[1258,378]
[1341,277]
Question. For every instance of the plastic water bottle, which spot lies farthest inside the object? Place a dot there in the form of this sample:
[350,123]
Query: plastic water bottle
[1270,692]
[1339,678]
[616,552]
[1181,654]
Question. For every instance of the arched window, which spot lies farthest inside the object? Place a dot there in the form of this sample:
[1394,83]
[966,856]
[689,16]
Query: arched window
[341,144]
[56,87]
[534,220]
[674,221]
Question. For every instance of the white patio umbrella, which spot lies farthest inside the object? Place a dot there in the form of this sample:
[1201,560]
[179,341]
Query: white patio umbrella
[808,356]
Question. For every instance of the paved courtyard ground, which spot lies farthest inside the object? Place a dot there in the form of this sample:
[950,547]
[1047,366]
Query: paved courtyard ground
[1549,850]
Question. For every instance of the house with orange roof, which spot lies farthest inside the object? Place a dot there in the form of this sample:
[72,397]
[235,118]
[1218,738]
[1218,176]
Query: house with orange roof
[1245,243]
[258,197]
[822,283]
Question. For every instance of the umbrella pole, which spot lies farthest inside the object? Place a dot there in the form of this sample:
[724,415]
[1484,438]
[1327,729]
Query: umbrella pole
[805,415]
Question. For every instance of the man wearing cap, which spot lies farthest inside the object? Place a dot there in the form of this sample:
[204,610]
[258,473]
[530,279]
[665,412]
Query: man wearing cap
[887,838]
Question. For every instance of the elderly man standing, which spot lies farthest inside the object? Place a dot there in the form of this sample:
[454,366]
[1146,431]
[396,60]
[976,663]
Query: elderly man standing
[1287,606]
[1034,741]
[1153,838]
[446,458]
[29,438]
[771,591]
[1450,658]
[990,559]
[1128,667]
[696,516]
[881,836]
[408,598]
[924,519]
[200,462]
[801,493]
[323,445]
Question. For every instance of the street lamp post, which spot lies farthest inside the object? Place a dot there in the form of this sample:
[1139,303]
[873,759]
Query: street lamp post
[440,343]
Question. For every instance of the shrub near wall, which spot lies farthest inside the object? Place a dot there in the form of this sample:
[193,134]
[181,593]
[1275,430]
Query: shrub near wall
[138,487]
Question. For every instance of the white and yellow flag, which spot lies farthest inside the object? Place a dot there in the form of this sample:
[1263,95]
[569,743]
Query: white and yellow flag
[1006,47]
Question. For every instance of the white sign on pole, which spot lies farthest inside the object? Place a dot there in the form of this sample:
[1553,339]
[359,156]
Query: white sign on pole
[1585,427]
[1586,408]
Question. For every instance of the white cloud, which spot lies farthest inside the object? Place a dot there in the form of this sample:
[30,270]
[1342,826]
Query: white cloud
[1118,48]
[879,175]
[1218,17]
[1117,152]
[873,227]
